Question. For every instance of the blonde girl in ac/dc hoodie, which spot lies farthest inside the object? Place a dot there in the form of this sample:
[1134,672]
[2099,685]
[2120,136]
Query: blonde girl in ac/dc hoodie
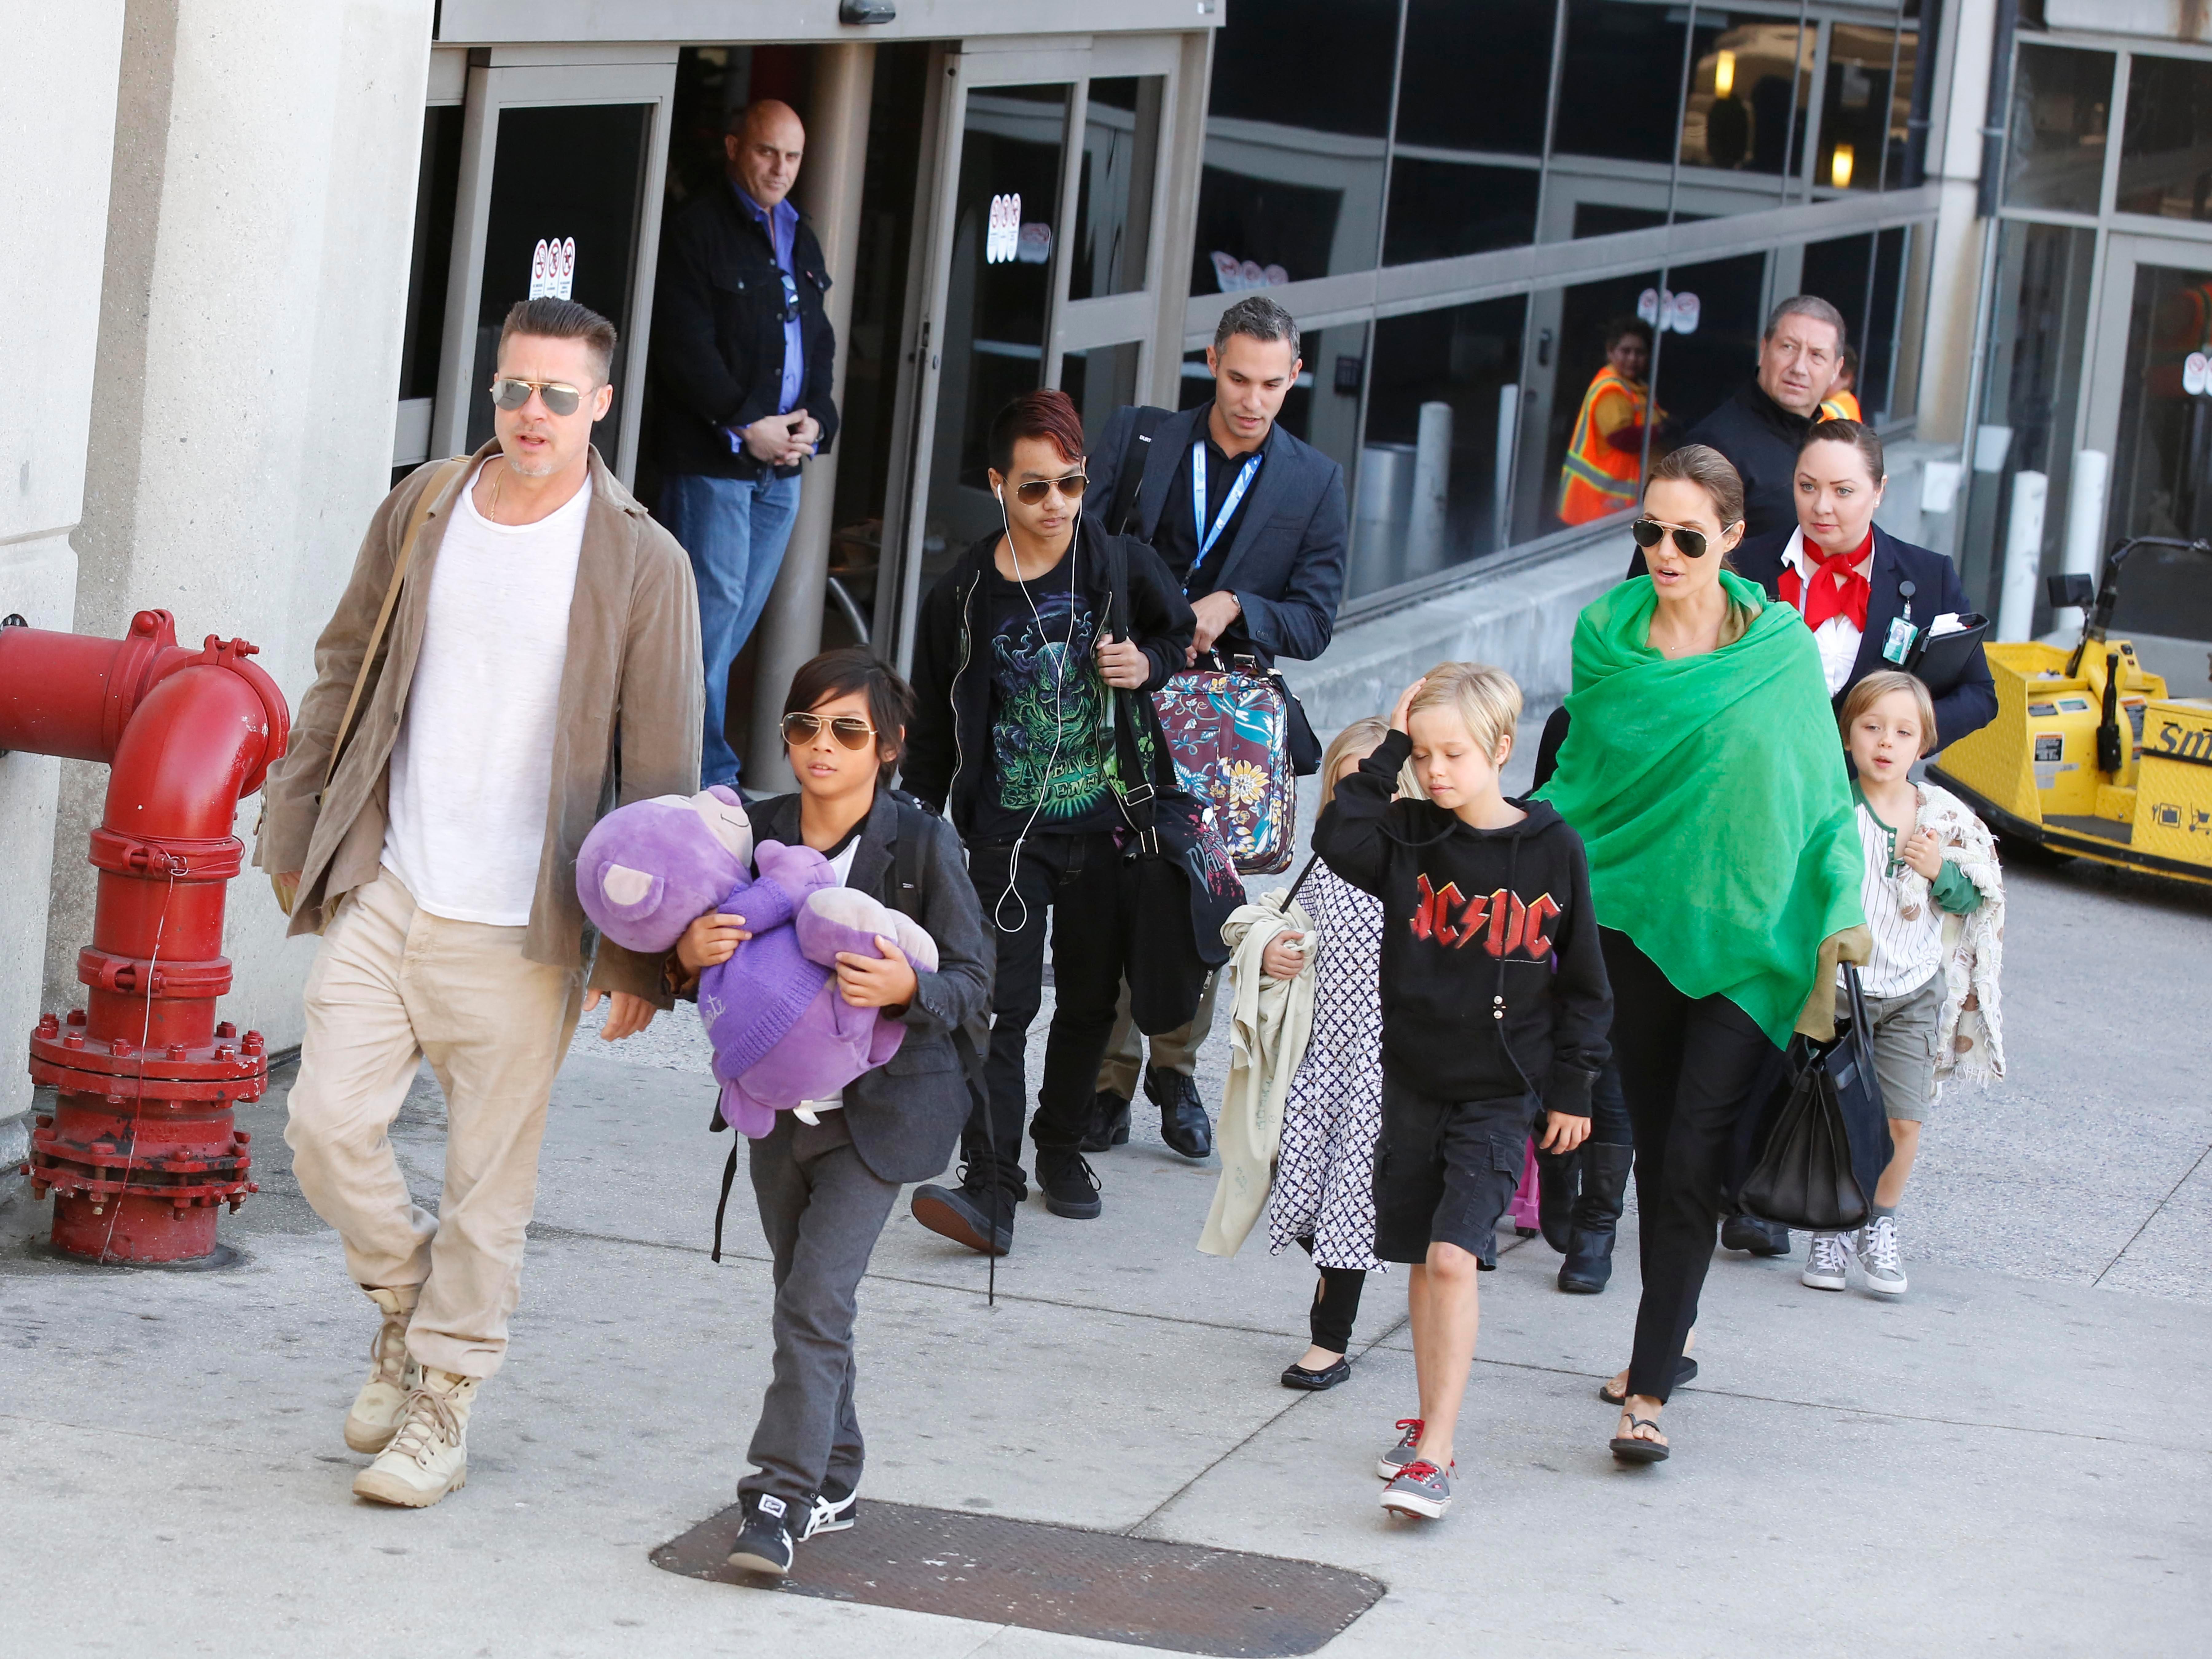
[1495,1006]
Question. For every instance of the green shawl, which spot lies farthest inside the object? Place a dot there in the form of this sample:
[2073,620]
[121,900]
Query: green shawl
[1711,794]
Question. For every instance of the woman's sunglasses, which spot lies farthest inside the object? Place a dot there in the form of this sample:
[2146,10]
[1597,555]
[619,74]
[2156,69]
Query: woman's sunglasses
[511,395]
[1649,533]
[848,729]
[1035,489]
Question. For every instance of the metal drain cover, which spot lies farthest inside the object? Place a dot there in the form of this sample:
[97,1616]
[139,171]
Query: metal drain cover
[1104,1585]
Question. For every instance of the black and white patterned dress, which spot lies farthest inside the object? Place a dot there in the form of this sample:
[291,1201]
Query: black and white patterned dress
[1325,1171]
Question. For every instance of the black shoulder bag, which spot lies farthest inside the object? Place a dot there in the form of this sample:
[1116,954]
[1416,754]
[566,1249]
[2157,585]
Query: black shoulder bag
[1828,1139]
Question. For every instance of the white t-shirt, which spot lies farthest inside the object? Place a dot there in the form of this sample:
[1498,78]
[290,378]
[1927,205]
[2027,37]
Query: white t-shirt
[472,768]
[1838,637]
[810,1112]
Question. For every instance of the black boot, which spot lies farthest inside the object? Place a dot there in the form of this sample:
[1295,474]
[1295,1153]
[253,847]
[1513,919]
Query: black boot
[1559,1175]
[1596,1217]
[1183,1123]
[1109,1123]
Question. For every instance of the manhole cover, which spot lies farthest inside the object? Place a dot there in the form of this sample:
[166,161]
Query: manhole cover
[1098,1584]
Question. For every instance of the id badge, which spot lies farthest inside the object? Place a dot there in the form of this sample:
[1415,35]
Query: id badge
[1901,636]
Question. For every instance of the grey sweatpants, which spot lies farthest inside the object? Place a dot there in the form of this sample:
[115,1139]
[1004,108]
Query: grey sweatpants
[821,1210]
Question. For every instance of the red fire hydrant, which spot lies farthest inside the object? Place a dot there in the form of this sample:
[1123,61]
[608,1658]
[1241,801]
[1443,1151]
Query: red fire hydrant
[140,1148]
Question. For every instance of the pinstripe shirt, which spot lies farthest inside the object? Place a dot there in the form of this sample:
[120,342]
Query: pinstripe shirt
[1904,909]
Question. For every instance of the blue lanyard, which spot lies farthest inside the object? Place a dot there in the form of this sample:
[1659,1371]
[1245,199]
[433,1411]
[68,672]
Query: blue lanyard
[1207,537]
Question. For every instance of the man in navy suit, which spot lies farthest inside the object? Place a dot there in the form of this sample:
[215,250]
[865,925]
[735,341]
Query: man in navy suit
[1251,521]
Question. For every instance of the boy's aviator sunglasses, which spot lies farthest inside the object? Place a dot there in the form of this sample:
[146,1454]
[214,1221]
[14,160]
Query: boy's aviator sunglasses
[1035,490]
[1648,532]
[511,394]
[849,730]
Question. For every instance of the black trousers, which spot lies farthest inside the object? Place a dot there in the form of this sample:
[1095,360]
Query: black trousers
[1079,882]
[1691,1069]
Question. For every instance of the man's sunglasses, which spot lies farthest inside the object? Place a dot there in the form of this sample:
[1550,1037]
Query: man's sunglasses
[849,730]
[512,394]
[1649,533]
[1035,489]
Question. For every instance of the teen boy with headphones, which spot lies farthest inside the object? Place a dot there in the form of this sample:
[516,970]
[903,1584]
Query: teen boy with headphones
[1019,650]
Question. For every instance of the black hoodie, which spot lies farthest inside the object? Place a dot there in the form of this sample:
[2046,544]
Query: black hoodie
[1492,980]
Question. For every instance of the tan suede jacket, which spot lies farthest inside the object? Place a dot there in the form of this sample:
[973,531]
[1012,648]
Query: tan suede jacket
[628,725]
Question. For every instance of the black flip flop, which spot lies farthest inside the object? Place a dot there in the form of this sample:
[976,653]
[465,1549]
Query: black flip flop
[1629,1450]
[1685,1372]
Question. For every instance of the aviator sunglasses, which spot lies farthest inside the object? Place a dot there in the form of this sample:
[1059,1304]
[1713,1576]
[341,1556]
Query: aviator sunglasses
[1649,532]
[512,394]
[1072,487]
[848,729]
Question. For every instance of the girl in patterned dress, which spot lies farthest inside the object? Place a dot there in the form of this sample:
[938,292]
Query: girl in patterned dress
[1324,1191]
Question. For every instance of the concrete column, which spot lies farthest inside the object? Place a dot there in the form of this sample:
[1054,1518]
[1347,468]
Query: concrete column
[258,238]
[58,85]
[2023,563]
[830,186]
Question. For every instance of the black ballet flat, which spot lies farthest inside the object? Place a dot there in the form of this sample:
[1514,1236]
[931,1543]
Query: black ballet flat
[1297,1376]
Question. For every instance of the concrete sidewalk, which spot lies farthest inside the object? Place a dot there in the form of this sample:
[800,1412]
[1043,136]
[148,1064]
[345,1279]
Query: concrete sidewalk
[2006,1462]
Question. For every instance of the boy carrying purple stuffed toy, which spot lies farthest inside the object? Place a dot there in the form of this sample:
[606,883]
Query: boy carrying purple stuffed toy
[784,1039]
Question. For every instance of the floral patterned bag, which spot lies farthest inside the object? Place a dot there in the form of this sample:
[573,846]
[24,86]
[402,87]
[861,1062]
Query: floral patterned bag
[1229,731]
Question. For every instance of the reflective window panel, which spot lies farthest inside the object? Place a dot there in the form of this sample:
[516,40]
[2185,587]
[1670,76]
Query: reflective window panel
[1571,326]
[1862,277]
[1620,86]
[1437,467]
[2037,338]
[1099,381]
[2061,107]
[1114,200]
[1440,209]
[1749,90]
[1300,108]
[1708,344]
[2162,462]
[1863,115]
[2165,145]
[998,294]
[1503,47]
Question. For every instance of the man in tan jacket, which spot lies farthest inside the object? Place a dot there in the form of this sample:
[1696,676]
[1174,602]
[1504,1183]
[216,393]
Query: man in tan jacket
[539,667]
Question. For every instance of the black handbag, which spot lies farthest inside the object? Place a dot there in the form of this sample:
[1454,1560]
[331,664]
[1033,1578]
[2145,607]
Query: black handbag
[1827,1139]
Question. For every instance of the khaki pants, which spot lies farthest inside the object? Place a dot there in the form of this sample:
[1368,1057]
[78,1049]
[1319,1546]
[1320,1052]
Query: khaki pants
[1172,1051]
[392,984]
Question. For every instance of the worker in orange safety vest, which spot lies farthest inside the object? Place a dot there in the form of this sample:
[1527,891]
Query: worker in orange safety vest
[1605,452]
[1841,403]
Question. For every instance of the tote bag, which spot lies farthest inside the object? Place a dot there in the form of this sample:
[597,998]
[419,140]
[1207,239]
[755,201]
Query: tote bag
[1828,1140]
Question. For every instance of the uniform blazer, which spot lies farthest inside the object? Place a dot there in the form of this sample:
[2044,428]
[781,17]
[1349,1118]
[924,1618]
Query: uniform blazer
[1963,706]
[718,336]
[1285,562]
[906,1114]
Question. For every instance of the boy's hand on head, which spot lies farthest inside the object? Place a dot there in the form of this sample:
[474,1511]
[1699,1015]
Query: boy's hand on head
[886,981]
[1563,1134]
[1403,711]
[710,941]
[1121,665]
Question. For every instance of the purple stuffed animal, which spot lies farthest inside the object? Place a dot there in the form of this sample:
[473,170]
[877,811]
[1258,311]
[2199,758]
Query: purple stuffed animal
[782,1034]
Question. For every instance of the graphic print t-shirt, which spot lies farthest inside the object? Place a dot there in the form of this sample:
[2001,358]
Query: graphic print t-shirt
[1050,719]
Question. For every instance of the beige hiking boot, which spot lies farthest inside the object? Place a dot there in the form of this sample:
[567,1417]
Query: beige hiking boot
[382,1400]
[429,1455]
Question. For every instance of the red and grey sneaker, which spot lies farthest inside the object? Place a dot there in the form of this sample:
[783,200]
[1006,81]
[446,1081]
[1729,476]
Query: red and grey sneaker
[1421,1489]
[1388,1466]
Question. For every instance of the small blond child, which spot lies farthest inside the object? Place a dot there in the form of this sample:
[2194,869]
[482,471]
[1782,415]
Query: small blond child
[1495,1008]
[1929,859]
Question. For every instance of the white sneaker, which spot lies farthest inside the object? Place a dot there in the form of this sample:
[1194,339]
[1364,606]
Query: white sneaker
[1878,1257]
[1828,1262]
[393,1375]
[429,1456]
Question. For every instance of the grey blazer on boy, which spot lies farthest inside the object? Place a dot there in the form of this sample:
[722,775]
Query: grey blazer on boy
[905,1116]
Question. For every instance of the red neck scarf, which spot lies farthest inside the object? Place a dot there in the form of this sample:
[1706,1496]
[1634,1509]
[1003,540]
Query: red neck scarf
[1839,587]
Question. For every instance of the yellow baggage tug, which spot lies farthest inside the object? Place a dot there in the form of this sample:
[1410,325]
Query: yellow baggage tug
[2087,756]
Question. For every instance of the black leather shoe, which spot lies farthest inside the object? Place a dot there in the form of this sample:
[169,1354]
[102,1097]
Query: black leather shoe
[1297,1376]
[1109,1123]
[1070,1188]
[973,1215]
[1183,1123]
[1751,1233]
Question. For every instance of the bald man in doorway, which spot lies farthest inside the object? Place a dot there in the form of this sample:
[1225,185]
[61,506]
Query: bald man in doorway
[742,354]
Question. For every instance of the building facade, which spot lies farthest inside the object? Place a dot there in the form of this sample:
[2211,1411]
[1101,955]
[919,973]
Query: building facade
[256,274]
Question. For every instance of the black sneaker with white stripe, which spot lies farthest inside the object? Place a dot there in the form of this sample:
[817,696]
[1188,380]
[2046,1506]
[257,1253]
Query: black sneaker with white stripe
[764,1541]
[836,1508]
